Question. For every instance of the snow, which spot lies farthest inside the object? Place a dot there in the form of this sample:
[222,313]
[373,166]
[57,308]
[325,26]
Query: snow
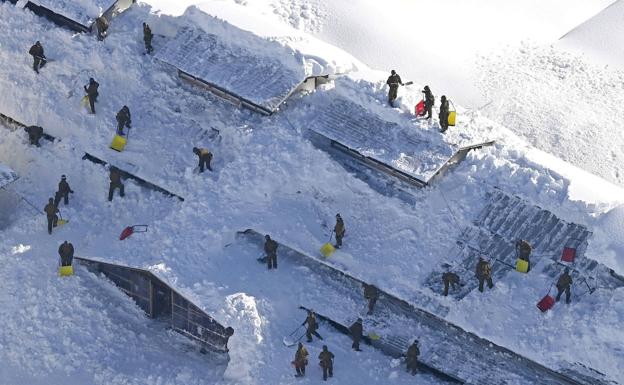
[82,11]
[6,175]
[267,175]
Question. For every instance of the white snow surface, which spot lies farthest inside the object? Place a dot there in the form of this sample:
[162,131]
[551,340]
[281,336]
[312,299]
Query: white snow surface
[82,11]
[6,175]
[267,175]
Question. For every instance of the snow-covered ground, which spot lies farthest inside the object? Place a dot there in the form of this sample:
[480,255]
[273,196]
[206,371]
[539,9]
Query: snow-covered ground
[269,176]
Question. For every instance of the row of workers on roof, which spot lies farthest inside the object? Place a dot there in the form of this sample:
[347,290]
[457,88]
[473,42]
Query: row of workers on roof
[483,273]
[394,81]
[326,358]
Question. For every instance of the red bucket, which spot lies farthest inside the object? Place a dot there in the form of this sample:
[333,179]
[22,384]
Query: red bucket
[546,303]
[568,254]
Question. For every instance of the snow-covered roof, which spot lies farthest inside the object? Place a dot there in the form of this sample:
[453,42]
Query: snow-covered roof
[6,175]
[81,11]
[256,70]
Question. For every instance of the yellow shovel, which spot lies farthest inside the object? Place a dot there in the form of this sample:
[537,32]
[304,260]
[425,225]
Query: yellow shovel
[328,249]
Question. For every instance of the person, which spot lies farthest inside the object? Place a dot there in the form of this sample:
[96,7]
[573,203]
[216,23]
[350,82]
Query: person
[327,362]
[444,113]
[429,101]
[92,93]
[102,26]
[356,333]
[147,37]
[270,248]
[301,360]
[312,326]
[123,119]
[449,279]
[205,157]
[115,182]
[523,251]
[393,81]
[371,294]
[39,59]
[484,273]
[51,210]
[35,133]
[339,230]
[63,192]
[563,285]
[66,251]
[411,359]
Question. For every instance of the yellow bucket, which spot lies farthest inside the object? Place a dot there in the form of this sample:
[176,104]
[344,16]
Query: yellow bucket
[522,266]
[451,118]
[119,143]
[327,249]
[66,271]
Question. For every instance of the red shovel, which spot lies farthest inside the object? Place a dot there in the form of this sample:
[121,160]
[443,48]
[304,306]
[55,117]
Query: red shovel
[128,231]
[547,302]
[420,108]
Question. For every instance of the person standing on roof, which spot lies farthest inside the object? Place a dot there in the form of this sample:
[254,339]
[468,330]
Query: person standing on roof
[429,101]
[356,333]
[39,59]
[394,80]
[34,134]
[484,273]
[123,120]
[301,360]
[66,251]
[444,114]
[63,192]
[312,326]
[101,24]
[147,38]
[270,248]
[449,279]
[411,358]
[523,251]
[371,293]
[563,285]
[50,209]
[92,93]
[327,362]
[115,182]
[339,230]
[205,157]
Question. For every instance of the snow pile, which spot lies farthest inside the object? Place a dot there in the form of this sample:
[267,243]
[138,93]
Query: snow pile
[6,175]
[610,235]
[82,11]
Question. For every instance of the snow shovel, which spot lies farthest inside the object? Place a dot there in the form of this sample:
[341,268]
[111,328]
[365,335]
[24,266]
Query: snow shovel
[128,231]
[452,115]
[419,110]
[65,271]
[568,254]
[522,266]
[328,249]
[119,143]
[290,340]
[61,221]
[547,302]
[84,101]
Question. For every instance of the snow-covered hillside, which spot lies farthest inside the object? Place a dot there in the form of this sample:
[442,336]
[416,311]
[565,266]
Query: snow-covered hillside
[267,175]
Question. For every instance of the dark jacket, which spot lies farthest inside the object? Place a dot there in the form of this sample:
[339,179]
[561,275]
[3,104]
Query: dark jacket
[326,357]
[63,187]
[311,321]
[101,23]
[66,250]
[524,249]
[356,330]
[203,153]
[444,110]
[270,246]
[36,50]
[147,33]
[484,270]
[370,291]
[301,356]
[339,229]
[50,209]
[34,131]
[429,98]
[564,281]
[115,177]
[123,117]
[412,353]
[92,88]
[451,278]
[394,80]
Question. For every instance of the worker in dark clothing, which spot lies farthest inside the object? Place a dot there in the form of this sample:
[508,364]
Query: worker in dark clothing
[101,24]
[115,182]
[92,93]
[444,113]
[205,157]
[356,333]
[66,251]
[563,284]
[123,119]
[270,248]
[394,80]
[484,273]
[449,279]
[411,358]
[34,134]
[147,37]
[312,326]
[327,362]
[63,192]
[429,101]
[339,230]
[301,360]
[51,210]
[371,294]
[39,59]
[523,251]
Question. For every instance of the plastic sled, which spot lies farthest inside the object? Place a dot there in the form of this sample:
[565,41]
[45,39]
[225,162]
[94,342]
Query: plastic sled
[327,249]
[546,303]
[66,271]
[119,143]
[568,254]
[451,118]
[522,266]
[419,110]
